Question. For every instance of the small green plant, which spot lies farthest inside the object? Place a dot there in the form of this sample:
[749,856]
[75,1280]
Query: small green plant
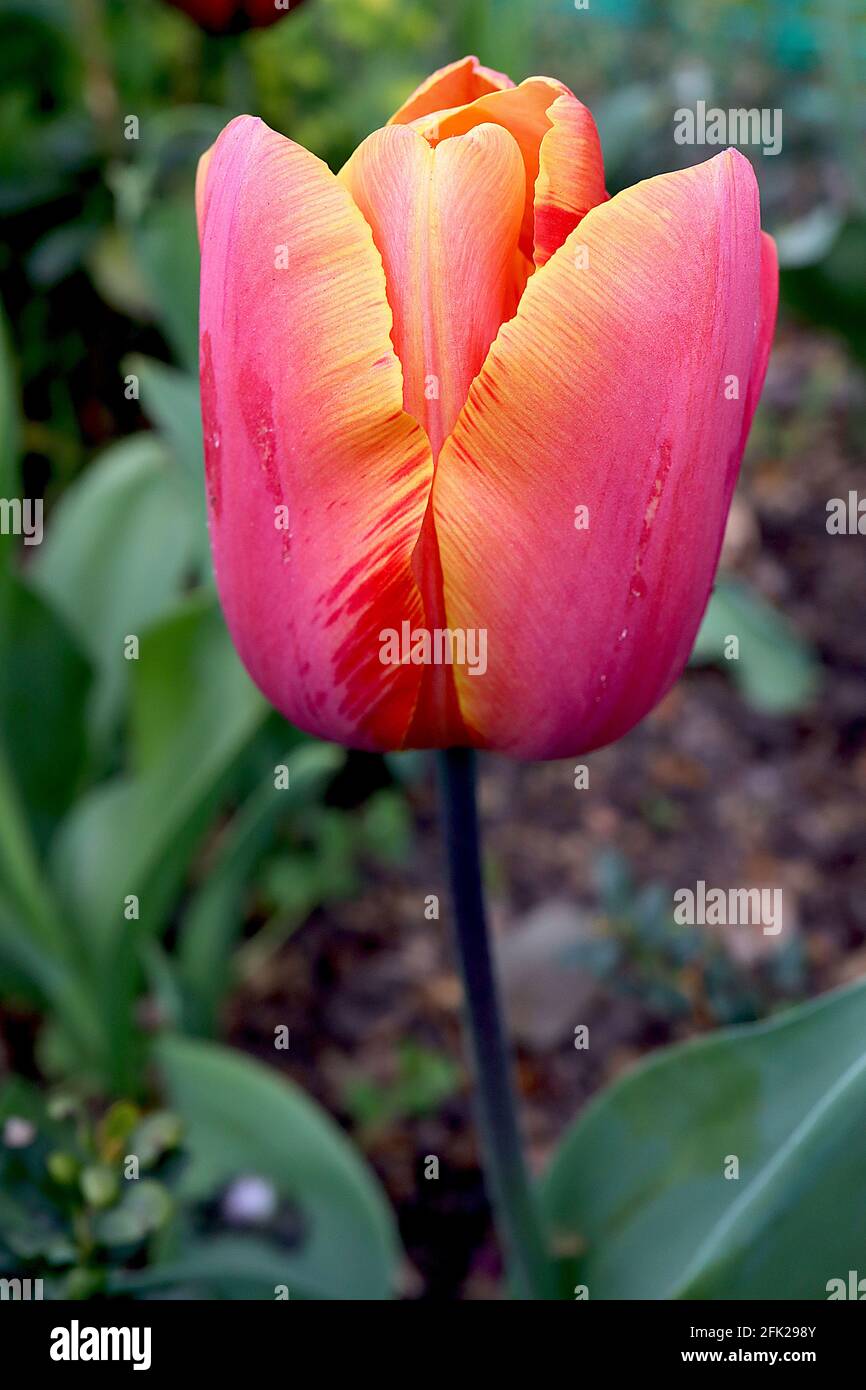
[84,1194]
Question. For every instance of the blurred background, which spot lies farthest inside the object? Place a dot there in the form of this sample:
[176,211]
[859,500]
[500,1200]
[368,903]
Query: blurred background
[237,984]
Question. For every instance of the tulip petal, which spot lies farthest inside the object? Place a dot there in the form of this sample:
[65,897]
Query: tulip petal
[446,222]
[766,327]
[302,410]
[453,85]
[621,386]
[561,152]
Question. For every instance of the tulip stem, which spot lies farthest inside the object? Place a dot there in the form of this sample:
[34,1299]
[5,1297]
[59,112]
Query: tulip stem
[532,1271]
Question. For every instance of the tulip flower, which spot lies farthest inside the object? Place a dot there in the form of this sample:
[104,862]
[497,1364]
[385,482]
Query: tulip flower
[471,433]
[456,389]
[231,16]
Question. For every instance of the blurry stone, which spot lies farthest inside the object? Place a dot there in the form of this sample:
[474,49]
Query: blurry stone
[250,1201]
[18,1133]
[742,532]
[546,992]
[678,771]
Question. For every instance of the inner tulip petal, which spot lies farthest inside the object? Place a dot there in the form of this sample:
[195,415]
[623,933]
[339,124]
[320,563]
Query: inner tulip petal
[561,153]
[453,85]
[446,222]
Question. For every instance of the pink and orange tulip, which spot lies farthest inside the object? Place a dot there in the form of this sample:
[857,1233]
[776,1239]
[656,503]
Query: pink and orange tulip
[456,387]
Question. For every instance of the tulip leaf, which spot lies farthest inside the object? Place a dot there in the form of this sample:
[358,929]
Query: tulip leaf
[134,833]
[641,1191]
[171,400]
[121,854]
[775,670]
[44,681]
[188,671]
[240,1118]
[228,1267]
[116,554]
[166,245]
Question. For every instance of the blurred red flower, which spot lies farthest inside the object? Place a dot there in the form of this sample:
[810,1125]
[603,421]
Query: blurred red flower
[230,16]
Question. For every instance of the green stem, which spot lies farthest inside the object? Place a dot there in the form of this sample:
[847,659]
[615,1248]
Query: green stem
[532,1270]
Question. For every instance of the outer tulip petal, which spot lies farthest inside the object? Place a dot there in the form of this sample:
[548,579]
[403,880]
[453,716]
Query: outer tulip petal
[610,390]
[446,222]
[453,85]
[766,328]
[561,153]
[302,409]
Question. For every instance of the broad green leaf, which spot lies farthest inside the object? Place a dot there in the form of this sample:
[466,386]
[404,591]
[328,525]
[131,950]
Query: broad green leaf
[241,1118]
[171,401]
[133,837]
[117,551]
[637,1189]
[776,670]
[36,964]
[166,243]
[134,834]
[20,872]
[44,681]
[229,1267]
[187,670]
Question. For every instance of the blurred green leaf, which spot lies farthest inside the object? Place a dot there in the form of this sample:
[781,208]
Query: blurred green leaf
[118,548]
[240,1118]
[154,1136]
[143,1209]
[386,826]
[115,272]
[166,243]
[776,670]
[832,292]
[226,1267]
[188,669]
[808,239]
[213,921]
[122,853]
[60,251]
[424,1080]
[134,834]
[637,1189]
[171,400]
[44,684]
[115,1126]
[20,872]
[99,1185]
